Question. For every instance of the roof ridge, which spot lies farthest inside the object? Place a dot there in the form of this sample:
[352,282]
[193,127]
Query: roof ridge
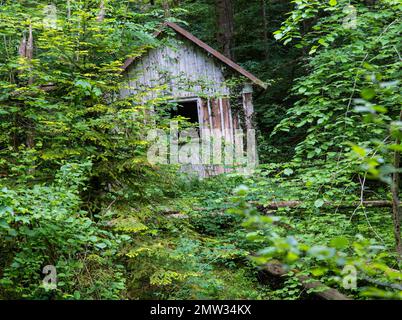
[207,48]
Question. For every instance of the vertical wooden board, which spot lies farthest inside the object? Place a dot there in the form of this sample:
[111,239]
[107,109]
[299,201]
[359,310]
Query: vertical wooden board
[238,141]
[216,134]
[210,113]
[205,133]
[225,140]
[222,115]
[200,111]
[205,113]
[228,119]
[216,114]
[249,126]
[184,71]
[225,108]
[227,143]
[235,120]
[231,124]
[215,90]
[187,62]
[248,109]
[228,134]
[197,70]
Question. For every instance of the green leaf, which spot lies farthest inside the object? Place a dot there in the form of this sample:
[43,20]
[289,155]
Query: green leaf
[313,50]
[359,150]
[3,224]
[77,295]
[83,84]
[318,271]
[368,93]
[395,147]
[254,236]
[323,42]
[339,242]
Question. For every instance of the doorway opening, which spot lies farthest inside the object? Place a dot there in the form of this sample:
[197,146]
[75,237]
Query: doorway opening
[187,109]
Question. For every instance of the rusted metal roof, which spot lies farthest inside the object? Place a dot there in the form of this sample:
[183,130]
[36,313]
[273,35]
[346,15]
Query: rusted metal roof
[207,48]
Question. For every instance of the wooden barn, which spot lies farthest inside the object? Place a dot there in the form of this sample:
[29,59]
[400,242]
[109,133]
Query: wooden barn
[209,88]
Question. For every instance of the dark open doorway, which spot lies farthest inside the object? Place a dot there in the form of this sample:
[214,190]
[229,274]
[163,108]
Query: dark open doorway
[187,109]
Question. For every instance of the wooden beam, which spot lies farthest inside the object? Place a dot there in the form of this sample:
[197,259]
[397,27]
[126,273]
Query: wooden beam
[277,269]
[296,203]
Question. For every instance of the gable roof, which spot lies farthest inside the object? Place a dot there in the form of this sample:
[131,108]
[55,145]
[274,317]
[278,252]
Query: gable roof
[207,48]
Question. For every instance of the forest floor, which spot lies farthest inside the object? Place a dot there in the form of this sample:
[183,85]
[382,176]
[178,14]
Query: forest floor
[190,247]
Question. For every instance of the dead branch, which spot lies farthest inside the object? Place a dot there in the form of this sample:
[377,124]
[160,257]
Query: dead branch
[329,204]
[276,269]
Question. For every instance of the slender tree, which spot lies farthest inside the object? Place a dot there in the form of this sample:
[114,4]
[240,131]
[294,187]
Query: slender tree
[225,24]
[264,26]
[396,210]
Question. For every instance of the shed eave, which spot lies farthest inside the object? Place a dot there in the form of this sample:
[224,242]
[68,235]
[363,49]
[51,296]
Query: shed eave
[207,48]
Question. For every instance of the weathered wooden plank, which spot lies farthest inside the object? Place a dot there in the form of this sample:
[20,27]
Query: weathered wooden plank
[205,114]
[329,204]
[215,114]
[183,68]
[227,120]
[324,292]
[248,110]
[236,123]
[211,125]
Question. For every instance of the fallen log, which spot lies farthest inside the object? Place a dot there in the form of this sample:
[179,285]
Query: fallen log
[329,204]
[276,269]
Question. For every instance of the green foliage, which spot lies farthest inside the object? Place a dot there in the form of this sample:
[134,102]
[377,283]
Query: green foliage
[344,59]
[79,114]
[44,225]
[115,226]
[321,252]
[175,255]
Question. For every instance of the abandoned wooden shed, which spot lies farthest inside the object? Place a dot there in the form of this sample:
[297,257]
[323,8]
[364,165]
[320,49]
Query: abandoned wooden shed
[209,88]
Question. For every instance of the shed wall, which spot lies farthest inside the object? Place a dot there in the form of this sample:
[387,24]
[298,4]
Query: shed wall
[180,70]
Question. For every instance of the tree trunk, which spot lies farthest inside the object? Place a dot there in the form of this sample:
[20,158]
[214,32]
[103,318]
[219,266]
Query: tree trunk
[176,3]
[225,21]
[68,10]
[25,50]
[166,8]
[23,46]
[30,126]
[370,2]
[264,27]
[396,215]
[101,14]
[29,50]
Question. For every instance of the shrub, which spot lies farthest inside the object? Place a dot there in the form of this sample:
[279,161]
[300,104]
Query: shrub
[44,225]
